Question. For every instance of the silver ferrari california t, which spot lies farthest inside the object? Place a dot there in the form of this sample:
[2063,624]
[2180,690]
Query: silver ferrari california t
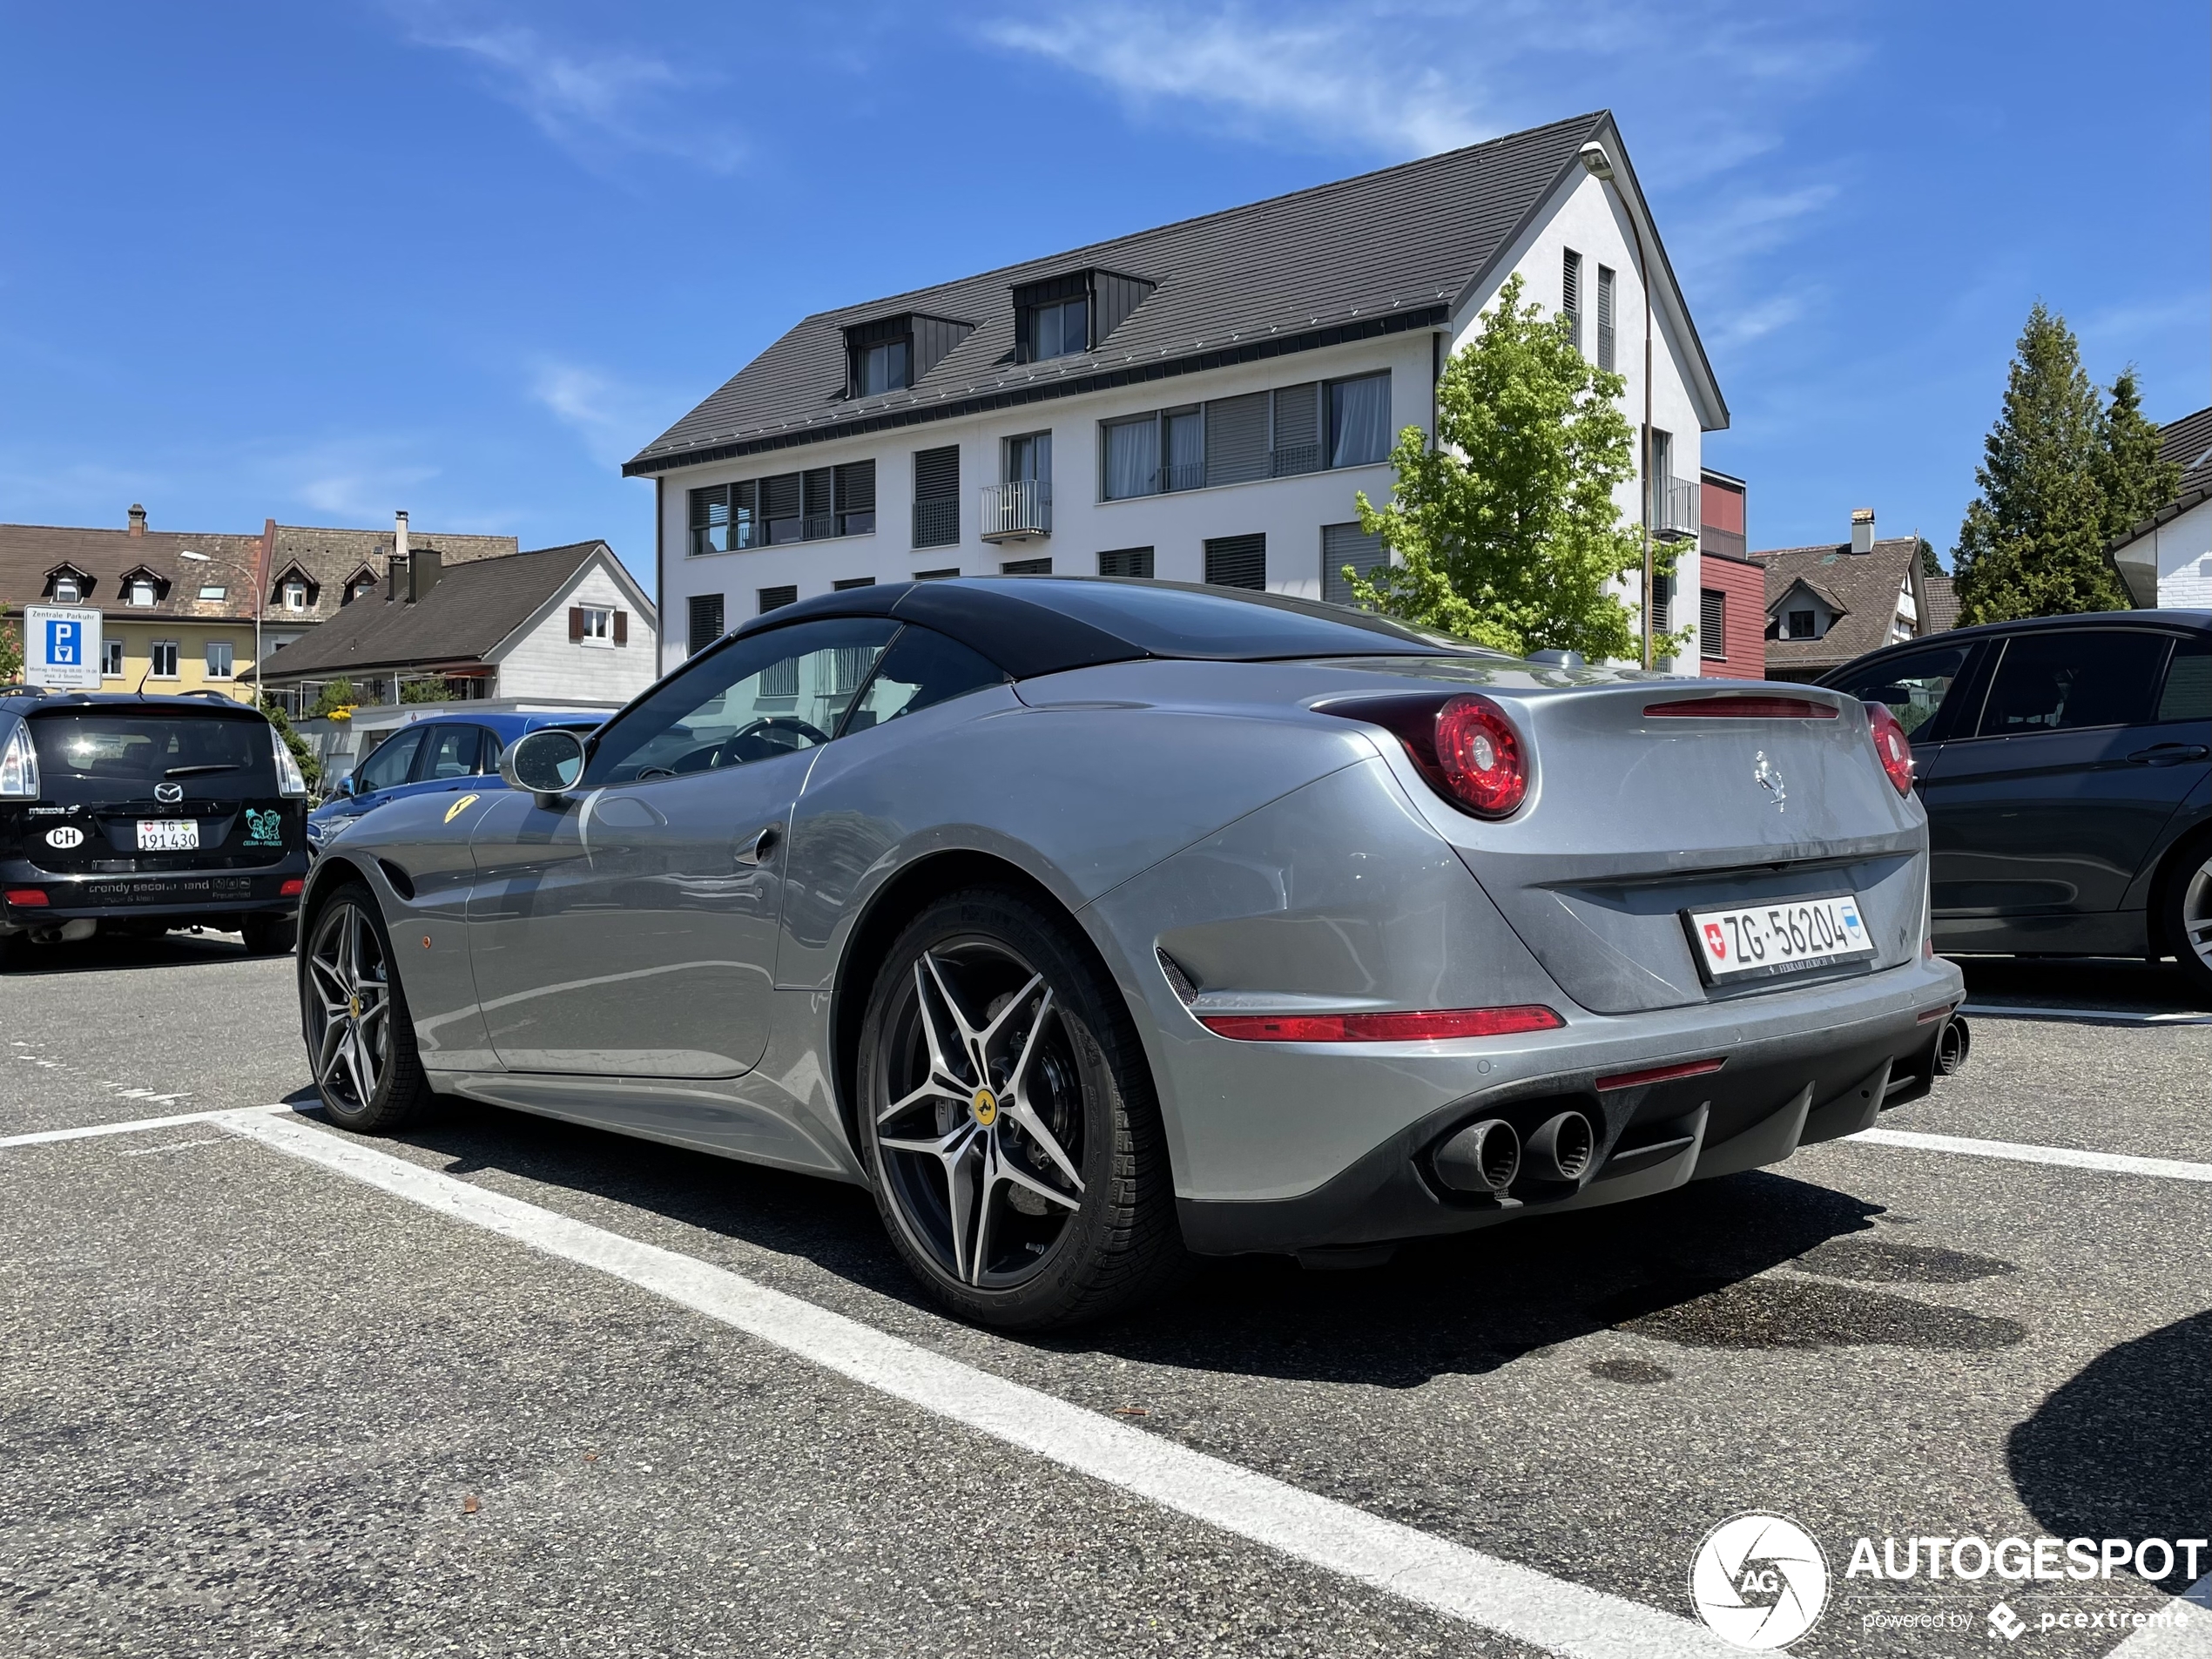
[1091,922]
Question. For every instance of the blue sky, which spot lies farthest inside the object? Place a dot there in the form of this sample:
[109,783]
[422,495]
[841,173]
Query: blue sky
[318,262]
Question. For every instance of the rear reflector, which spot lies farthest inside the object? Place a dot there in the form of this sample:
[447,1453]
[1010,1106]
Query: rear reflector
[1431,1025]
[1741,708]
[27,895]
[292,887]
[1657,1075]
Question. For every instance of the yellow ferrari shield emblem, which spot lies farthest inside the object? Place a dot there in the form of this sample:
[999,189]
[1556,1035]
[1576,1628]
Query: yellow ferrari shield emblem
[985,1108]
[459,807]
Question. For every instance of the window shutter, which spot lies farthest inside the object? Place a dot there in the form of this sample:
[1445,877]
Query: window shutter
[1570,287]
[1343,545]
[1126,561]
[1712,624]
[1237,439]
[1298,430]
[705,619]
[776,599]
[575,623]
[1237,562]
[1605,317]
[622,627]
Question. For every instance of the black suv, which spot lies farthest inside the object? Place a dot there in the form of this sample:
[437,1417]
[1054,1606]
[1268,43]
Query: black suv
[2067,768]
[142,813]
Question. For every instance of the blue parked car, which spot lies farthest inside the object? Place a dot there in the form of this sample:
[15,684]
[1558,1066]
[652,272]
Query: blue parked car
[446,752]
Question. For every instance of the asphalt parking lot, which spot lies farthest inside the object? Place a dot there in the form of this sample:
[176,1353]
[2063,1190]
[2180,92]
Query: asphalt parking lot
[507,1386]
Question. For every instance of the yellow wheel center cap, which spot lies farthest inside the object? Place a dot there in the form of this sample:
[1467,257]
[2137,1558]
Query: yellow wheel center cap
[984,1108]
[354,1007]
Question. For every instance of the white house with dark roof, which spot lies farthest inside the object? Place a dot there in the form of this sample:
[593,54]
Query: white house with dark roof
[2167,560]
[1201,402]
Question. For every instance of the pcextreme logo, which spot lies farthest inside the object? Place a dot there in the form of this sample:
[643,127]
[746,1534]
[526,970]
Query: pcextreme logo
[1759,1581]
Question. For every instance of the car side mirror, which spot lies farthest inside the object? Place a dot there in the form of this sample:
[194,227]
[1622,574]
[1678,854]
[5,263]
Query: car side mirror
[346,785]
[546,763]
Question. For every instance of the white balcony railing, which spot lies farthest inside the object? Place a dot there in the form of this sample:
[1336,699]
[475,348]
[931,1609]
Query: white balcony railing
[1676,515]
[1018,511]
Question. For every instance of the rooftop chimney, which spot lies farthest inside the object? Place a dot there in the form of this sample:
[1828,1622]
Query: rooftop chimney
[395,571]
[424,566]
[1862,530]
[138,519]
[399,535]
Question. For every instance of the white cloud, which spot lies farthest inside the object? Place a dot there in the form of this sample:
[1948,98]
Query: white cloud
[614,420]
[353,480]
[589,100]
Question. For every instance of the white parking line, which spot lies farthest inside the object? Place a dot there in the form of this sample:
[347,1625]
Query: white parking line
[129,1126]
[2189,1637]
[2023,1152]
[1465,1584]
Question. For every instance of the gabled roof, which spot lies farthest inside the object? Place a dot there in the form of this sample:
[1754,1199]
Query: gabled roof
[30,553]
[332,558]
[1940,600]
[471,611]
[2187,443]
[1398,249]
[1775,601]
[1862,588]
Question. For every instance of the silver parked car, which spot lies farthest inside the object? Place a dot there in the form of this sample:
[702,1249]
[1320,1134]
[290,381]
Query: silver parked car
[1088,922]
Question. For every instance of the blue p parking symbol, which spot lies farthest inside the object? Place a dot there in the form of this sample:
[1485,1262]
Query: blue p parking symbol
[64,643]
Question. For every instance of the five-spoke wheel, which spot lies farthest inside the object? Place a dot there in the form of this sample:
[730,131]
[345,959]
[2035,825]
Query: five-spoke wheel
[1007,1119]
[354,1016]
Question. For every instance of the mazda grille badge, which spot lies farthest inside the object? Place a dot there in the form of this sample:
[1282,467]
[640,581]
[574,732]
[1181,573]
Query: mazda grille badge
[169,794]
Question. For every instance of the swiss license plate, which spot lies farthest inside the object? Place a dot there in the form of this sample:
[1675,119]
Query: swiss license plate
[1760,940]
[168,834]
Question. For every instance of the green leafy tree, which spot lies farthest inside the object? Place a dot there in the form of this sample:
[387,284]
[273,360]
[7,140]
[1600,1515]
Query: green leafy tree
[1930,565]
[2135,479]
[335,695]
[310,768]
[2033,542]
[426,689]
[11,644]
[1505,528]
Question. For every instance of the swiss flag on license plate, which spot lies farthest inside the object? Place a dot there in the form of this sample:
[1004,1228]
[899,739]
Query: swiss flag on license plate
[1716,941]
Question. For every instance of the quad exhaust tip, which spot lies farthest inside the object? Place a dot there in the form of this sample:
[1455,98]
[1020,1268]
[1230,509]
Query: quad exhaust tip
[1561,1147]
[1483,1157]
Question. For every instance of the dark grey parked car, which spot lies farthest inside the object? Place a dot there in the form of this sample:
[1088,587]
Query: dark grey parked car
[2066,763]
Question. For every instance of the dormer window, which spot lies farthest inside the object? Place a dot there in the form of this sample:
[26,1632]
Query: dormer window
[67,591]
[295,596]
[1063,316]
[890,353]
[142,591]
[67,585]
[143,588]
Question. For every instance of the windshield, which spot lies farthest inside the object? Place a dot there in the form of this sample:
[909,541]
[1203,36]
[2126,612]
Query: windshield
[124,754]
[1168,619]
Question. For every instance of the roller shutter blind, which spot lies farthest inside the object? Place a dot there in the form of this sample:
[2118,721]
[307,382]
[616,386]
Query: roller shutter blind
[776,599]
[1712,624]
[1298,430]
[1605,317]
[779,507]
[1126,561]
[703,614]
[1570,289]
[936,504]
[1237,562]
[1237,439]
[1026,567]
[1343,545]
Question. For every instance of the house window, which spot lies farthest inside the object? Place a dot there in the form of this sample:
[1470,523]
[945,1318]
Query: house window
[295,596]
[1359,420]
[1605,318]
[1126,561]
[218,660]
[881,367]
[1237,562]
[808,506]
[783,507]
[776,599]
[1153,453]
[1061,329]
[1295,445]
[1570,295]
[1712,626]
[937,497]
[594,625]
[936,575]
[855,493]
[850,583]
[704,616]
[1343,545]
[141,591]
[1026,567]
[164,655]
[67,591]
[1028,459]
[1662,603]
[213,590]
[111,658]
[1801,626]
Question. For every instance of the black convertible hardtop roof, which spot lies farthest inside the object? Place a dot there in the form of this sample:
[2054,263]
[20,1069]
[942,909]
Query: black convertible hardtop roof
[1046,624]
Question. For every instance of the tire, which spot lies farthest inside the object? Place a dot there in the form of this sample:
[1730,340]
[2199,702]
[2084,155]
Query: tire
[270,936]
[1061,1136]
[353,1017]
[2185,917]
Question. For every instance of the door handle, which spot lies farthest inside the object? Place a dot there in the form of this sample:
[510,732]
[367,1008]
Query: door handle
[759,849]
[2167,754]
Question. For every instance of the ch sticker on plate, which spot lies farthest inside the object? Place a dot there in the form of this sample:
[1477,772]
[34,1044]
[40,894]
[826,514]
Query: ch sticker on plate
[1763,939]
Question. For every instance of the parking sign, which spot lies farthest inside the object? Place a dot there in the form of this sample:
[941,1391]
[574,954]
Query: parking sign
[61,648]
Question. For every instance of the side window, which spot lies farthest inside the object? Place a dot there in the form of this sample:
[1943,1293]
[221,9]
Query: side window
[490,746]
[448,751]
[2187,695]
[2066,681]
[1913,687]
[387,767]
[751,699]
[919,669]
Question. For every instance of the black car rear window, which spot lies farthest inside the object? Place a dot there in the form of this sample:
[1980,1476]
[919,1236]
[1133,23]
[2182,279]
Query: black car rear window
[2070,678]
[1173,621]
[133,753]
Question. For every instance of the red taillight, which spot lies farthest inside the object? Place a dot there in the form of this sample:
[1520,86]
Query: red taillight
[27,896]
[1478,753]
[1734,707]
[292,887]
[1429,1025]
[1657,1075]
[1890,743]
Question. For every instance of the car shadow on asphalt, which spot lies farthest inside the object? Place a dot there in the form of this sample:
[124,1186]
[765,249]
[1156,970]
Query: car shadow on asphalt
[2123,1449]
[1694,1268]
[109,953]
